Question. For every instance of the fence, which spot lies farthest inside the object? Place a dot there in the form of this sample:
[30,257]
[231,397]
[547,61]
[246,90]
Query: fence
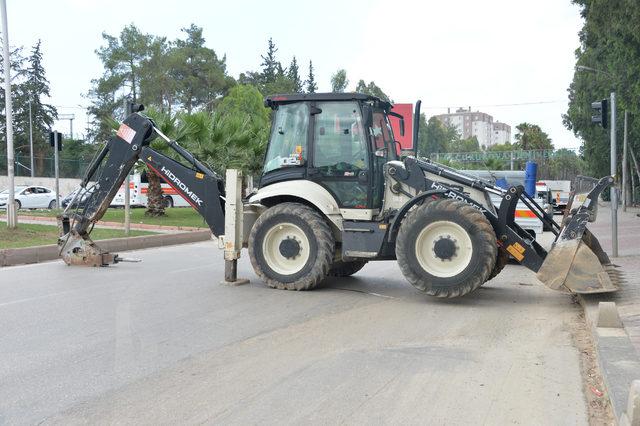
[45,166]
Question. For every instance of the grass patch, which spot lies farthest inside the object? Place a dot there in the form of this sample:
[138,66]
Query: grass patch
[29,235]
[176,216]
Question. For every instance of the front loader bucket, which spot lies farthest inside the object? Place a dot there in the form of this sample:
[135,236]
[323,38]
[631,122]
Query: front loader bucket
[576,262]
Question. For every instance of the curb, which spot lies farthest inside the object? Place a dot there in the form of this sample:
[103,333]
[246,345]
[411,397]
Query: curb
[617,358]
[18,256]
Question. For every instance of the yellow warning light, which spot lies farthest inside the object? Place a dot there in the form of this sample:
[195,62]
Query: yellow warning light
[298,149]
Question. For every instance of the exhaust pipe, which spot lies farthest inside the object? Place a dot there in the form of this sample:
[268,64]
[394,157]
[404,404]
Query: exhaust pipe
[577,263]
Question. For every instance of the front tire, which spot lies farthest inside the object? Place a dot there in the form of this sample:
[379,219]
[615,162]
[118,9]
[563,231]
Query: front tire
[446,248]
[291,247]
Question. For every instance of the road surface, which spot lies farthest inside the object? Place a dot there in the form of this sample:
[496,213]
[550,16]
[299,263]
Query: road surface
[163,342]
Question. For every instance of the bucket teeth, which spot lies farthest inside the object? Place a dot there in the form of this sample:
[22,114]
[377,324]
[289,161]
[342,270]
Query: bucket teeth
[616,275]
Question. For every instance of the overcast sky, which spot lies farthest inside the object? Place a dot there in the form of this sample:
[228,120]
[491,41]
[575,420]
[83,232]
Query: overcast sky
[484,54]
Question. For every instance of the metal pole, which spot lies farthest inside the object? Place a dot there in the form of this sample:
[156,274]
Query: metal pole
[12,214]
[127,191]
[71,128]
[625,167]
[56,136]
[33,171]
[614,198]
[127,206]
[511,161]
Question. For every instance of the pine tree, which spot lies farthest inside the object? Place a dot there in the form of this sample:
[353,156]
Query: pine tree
[269,63]
[294,75]
[311,80]
[32,90]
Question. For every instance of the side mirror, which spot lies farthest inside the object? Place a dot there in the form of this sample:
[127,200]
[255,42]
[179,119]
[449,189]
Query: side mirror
[381,152]
[402,127]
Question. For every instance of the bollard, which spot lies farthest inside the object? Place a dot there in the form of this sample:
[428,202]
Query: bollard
[608,315]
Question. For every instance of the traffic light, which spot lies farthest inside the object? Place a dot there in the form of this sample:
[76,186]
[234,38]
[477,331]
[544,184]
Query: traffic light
[600,109]
[55,134]
[133,107]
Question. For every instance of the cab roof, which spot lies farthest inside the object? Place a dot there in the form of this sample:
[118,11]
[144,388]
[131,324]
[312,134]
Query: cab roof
[274,100]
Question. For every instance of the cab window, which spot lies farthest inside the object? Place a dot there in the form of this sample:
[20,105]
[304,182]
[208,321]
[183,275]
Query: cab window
[340,147]
[288,145]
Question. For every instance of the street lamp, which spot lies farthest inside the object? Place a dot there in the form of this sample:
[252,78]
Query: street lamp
[614,198]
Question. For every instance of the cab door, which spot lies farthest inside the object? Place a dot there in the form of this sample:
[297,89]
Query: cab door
[340,158]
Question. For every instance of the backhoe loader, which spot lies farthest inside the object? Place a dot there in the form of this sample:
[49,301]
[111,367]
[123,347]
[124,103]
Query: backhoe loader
[334,195]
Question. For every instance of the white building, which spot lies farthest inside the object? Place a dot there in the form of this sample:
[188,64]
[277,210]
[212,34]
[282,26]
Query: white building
[479,124]
[501,133]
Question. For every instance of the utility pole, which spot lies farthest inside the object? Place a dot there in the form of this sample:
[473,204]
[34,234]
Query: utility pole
[127,183]
[613,191]
[56,144]
[625,166]
[33,171]
[12,216]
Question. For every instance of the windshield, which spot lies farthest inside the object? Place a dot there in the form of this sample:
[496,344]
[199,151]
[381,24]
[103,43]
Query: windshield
[288,145]
[383,134]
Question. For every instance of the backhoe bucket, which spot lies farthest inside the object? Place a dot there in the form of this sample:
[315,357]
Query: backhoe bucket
[76,249]
[576,262]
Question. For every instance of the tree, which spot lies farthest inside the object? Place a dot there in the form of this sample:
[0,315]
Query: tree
[464,145]
[371,89]
[531,136]
[32,90]
[294,75]
[122,58]
[339,81]
[201,76]
[245,100]
[269,63]
[311,80]
[435,136]
[609,41]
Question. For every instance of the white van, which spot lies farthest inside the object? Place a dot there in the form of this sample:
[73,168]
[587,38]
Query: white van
[138,188]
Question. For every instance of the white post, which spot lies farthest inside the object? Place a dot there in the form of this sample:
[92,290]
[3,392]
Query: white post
[56,142]
[127,206]
[614,197]
[33,170]
[233,227]
[12,214]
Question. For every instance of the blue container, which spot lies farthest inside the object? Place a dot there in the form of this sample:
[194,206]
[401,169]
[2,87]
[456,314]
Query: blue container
[502,183]
[530,173]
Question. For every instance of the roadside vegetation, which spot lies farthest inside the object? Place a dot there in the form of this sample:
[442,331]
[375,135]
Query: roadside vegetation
[176,216]
[29,235]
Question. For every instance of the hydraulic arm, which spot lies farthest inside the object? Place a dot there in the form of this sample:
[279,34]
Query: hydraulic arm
[200,186]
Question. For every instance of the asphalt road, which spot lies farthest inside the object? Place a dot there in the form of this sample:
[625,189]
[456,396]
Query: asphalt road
[163,342]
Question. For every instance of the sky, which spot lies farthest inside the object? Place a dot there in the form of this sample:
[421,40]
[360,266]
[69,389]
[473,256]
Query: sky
[491,55]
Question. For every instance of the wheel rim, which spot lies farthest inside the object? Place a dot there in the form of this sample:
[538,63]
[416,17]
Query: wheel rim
[443,239]
[280,245]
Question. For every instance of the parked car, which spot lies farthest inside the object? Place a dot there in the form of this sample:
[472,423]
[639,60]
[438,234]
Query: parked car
[30,197]
[81,200]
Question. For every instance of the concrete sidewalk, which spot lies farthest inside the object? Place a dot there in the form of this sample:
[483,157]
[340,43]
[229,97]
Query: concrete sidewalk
[618,346]
[628,298]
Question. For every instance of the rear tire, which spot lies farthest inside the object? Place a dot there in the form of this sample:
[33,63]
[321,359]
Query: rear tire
[18,205]
[52,205]
[446,248]
[291,247]
[346,269]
